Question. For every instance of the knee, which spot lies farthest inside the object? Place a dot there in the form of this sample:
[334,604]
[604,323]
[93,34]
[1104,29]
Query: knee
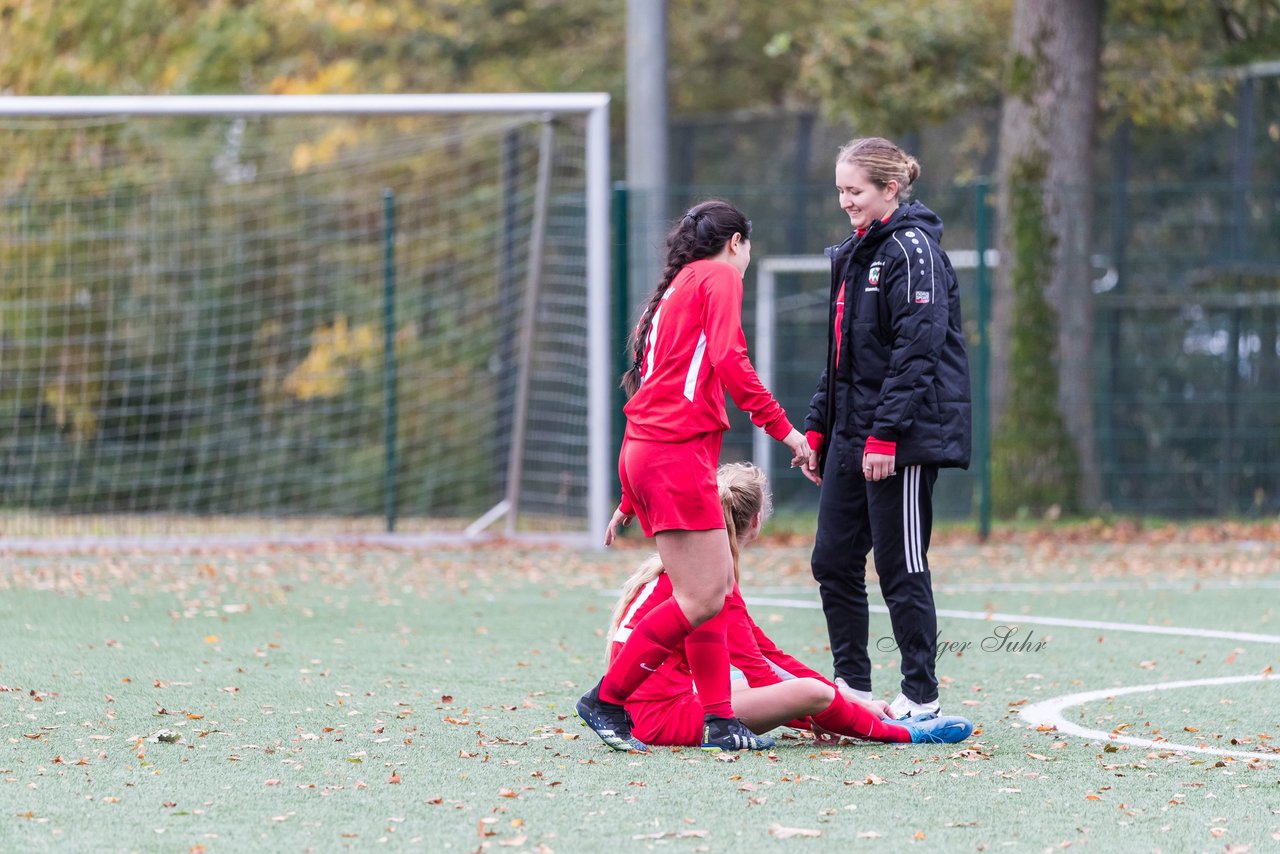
[816,694]
[701,609]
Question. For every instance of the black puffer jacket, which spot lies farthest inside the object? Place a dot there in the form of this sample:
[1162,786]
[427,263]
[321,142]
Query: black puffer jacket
[904,373]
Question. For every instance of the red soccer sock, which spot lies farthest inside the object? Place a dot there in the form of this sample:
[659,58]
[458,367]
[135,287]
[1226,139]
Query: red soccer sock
[709,662]
[845,718]
[651,641]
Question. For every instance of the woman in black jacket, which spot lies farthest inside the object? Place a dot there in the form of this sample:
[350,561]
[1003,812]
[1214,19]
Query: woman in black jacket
[891,408]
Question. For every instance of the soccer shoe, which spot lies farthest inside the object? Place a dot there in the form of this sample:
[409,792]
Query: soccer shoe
[914,719]
[945,730]
[732,734]
[902,707]
[865,696]
[609,721]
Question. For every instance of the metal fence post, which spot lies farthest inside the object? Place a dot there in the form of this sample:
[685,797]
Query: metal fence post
[389,352]
[621,314]
[982,361]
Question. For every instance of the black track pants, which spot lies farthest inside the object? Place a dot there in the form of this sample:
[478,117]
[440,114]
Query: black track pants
[893,517]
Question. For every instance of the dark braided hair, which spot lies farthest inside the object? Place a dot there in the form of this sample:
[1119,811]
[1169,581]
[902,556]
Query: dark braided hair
[700,233]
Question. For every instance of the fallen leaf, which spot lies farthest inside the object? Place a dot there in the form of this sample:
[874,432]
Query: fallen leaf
[792,832]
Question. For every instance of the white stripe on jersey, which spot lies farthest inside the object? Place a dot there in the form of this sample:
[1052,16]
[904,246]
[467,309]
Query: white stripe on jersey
[691,378]
[650,344]
[624,631]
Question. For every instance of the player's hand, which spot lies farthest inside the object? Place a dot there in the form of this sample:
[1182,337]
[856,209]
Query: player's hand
[619,518]
[878,466]
[879,708]
[802,456]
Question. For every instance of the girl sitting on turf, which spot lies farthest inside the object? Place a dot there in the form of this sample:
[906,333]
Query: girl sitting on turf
[666,709]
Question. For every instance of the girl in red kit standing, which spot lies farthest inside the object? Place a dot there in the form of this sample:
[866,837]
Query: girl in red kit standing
[688,350]
[891,408]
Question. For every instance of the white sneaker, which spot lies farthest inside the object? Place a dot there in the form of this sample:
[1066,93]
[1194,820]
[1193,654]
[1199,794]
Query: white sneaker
[865,696]
[902,707]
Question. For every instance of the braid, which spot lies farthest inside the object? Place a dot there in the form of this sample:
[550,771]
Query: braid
[677,258]
[700,233]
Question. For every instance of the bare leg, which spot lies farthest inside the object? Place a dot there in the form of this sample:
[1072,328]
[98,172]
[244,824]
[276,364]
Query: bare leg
[701,569]
[763,709]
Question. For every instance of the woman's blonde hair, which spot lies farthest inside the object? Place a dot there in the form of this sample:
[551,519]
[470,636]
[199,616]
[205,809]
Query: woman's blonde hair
[883,162]
[744,492]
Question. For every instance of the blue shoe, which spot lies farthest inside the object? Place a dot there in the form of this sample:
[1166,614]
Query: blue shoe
[914,719]
[732,734]
[609,721]
[949,729]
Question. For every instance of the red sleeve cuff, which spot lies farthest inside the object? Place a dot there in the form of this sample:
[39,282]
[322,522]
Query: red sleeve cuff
[815,440]
[879,446]
[625,506]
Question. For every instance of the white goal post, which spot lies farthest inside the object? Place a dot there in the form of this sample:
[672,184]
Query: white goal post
[592,109]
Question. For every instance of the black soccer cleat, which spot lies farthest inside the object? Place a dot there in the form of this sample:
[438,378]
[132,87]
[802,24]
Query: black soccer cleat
[731,734]
[609,721]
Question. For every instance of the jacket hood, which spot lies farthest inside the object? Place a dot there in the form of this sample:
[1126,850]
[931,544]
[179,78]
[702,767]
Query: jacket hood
[909,215]
[916,215]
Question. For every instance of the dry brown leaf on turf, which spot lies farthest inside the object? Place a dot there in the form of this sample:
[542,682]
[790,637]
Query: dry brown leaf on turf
[673,834]
[394,779]
[781,832]
[868,834]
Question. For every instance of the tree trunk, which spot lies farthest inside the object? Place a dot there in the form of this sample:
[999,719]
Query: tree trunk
[1042,341]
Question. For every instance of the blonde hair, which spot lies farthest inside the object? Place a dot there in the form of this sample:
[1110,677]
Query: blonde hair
[744,492]
[883,162]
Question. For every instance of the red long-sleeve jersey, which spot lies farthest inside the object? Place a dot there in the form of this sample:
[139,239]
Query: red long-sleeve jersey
[696,350]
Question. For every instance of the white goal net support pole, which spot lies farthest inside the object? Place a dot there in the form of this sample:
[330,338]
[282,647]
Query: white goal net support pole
[591,108]
[769,307]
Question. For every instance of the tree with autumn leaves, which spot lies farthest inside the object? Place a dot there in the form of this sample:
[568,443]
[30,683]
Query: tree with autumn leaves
[1057,70]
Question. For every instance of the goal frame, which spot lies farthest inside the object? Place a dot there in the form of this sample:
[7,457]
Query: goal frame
[593,105]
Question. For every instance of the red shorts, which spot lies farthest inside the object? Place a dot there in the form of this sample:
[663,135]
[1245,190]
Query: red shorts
[672,485]
[676,721]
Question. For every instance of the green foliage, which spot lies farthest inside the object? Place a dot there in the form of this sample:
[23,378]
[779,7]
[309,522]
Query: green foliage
[892,68]
[1033,460]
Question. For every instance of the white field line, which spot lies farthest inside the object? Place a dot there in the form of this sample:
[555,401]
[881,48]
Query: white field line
[1049,712]
[1067,586]
[1031,619]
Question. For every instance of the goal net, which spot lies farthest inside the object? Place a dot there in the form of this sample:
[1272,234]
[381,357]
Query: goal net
[266,316]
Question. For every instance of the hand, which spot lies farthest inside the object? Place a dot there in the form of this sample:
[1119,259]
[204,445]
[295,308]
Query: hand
[619,518]
[810,468]
[878,466]
[802,456]
[879,708]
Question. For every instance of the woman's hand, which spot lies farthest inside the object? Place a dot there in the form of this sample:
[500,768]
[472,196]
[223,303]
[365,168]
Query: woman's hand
[878,466]
[802,456]
[619,518]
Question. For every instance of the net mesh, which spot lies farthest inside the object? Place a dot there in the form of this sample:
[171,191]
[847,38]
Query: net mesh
[193,314]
